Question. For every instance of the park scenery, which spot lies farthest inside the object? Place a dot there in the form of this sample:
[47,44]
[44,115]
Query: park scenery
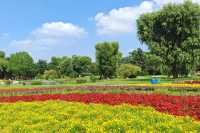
[152,89]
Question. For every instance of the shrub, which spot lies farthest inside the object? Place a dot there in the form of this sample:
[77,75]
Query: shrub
[128,71]
[80,81]
[36,83]
[50,74]
[93,78]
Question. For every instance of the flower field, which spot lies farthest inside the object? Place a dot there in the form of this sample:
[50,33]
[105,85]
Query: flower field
[176,105]
[60,116]
[99,109]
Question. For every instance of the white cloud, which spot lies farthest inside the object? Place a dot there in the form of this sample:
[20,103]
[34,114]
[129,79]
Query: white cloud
[48,37]
[121,20]
[58,30]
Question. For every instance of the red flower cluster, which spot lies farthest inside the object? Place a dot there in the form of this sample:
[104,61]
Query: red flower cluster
[176,105]
[192,82]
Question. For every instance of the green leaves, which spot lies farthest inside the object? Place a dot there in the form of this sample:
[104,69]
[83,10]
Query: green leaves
[173,33]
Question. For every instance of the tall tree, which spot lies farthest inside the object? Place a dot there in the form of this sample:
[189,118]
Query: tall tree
[173,33]
[21,65]
[107,58]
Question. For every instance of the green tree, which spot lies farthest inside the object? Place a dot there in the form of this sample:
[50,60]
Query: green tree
[128,71]
[137,57]
[50,74]
[2,54]
[3,68]
[21,65]
[107,58]
[41,66]
[81,65]
[65,67]
[54,63]
[173,33]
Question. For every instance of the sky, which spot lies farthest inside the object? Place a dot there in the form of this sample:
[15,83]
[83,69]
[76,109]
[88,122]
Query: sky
[46,28]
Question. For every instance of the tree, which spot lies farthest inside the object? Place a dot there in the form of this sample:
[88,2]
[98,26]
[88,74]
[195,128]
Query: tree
[2,54]
[54,63]
[173,33]
[107,58]
[65,67]
[41,66]
[153,64]
[50,74]
[21,65]
[3,68]
[128,71]
[81,65]
[137,57]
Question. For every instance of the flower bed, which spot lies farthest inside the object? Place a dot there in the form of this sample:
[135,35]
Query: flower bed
[65,117]
[98,87]
[176,105]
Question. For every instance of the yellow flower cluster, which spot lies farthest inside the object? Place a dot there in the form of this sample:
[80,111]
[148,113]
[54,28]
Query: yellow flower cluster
[65,117]
[167,85]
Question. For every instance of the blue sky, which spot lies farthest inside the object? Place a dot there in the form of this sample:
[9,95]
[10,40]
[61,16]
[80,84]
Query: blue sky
[46,28]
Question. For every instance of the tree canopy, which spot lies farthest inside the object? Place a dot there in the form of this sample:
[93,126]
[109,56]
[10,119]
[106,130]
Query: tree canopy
[173,33]
[107,58]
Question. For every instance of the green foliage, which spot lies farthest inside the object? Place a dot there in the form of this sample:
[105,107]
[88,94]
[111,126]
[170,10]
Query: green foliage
[128,71]
[3,67]
[173,33]
[107,58]
[81,65]
[50,74]
[65,66]
[36,82]
[93,78]
[2,54]
[41,66]
[21,65]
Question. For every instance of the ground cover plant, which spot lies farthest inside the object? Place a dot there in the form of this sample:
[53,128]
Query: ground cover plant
[58,116]
[176,105]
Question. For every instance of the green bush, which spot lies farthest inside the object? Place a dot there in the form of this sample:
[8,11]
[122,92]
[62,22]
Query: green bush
[50,74]
[128,71]
[36,83]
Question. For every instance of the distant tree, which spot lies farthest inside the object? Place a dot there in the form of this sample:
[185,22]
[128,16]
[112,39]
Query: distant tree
[107,58]
[153,64]
[93,69]
[50,74]
[2,54]
[173,33]
[41,66]
[65,67]
[21,65]
[3,68]
[54,63]
[128,71]
[137,57]
[81,65]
